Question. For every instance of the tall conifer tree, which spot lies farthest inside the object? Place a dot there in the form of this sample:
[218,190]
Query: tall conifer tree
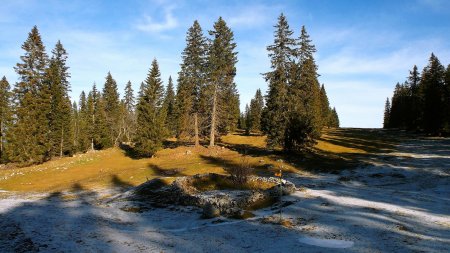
[256,108]
[30,133]
[169,104]
[222,60]
[447,99]
[281,54]
[129,120]
[191,81]
[111,104]
[57,76]
[151,114]
[84,124]
[432,84]
[5,117]
[387,114]
[304,105]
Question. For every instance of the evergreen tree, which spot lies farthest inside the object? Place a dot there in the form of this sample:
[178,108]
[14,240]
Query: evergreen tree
[447,100]
[57,77]
[84,123]
[387,113]
[281,54]
[75,127]
[151,114]
[248,120]
[191,81]
[432,84]
[414,115]
[169,104]
[304,105]
[99,134]
[5,117]
[256,108]
[111,103]
[325,110]
[129,117]
[30,133]
[222,59]
[242,122]
[334,118]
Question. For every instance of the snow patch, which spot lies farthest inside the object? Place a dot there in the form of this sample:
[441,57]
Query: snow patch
[326,243]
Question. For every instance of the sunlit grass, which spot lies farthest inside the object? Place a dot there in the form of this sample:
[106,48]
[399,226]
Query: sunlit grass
[113,168]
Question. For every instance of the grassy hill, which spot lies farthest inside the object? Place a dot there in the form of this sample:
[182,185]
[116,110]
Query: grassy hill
[336,150]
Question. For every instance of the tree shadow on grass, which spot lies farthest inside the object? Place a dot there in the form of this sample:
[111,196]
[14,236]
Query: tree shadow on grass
[119,183]
[161,172]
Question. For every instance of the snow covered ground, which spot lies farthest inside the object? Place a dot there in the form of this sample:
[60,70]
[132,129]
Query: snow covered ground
[398,202]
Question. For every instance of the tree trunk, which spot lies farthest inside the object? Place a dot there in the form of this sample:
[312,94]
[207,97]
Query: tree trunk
[1,141]
[213,118]
[197,142]
[92,138]
[62,143]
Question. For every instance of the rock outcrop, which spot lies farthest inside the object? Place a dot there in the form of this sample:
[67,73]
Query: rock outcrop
[226,202]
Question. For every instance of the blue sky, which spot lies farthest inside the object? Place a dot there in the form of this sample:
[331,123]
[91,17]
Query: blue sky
[363,47]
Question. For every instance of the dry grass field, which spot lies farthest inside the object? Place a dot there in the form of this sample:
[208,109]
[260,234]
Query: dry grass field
[337,149]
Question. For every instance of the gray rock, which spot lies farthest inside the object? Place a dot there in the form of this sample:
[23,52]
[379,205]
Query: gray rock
[210,211]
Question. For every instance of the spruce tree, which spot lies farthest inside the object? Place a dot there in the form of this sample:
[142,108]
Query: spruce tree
[414,115]
[325,110]
[222,60]
[281,54]
[191,81]
[447,100]
[30,133]
[5,117]
[334,118]
[129,121]
[242,122]
[57,77]
[111,104]
[84,123]
[432,84]
[169,104]
[304,105]
[75,127]
[248,120]
[98,131]
[151,114]
[256,108]
[387,113]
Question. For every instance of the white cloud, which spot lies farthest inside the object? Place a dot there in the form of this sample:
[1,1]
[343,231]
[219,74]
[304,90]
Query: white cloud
[152,26]
[356,61]
[435,5]
[249,17]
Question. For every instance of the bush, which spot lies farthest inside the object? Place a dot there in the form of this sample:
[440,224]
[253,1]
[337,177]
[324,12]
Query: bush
[240,173]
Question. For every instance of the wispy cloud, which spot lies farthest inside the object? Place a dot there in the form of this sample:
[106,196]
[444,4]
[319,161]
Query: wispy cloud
[435,5]
[149,24]
[355,60]
[249,17]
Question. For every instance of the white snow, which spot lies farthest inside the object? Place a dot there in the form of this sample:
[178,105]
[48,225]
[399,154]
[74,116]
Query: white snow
[326,243]
[398,203]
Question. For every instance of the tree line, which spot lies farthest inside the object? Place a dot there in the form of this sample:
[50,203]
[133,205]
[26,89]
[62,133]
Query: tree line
[38,120]
[422,102]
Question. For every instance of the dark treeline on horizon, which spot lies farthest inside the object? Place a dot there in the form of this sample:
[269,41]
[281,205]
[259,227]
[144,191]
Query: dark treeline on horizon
[38,120]
[422,102]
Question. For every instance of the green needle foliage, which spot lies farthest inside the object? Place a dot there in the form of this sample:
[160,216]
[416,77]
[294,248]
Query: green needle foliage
[297,108]
[5,117]
[422,103]
[151,114]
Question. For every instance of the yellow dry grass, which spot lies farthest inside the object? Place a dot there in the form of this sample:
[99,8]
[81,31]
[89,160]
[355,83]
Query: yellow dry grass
[113,168]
